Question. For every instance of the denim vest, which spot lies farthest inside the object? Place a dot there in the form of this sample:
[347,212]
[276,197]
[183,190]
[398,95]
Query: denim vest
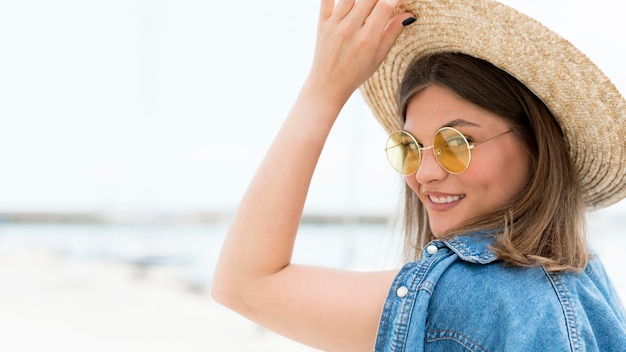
[459,297]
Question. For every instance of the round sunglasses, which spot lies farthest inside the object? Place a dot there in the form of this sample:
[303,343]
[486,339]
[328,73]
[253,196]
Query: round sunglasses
[450,146]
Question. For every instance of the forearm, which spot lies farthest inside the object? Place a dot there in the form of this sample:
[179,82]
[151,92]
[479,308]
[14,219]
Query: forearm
[262,234]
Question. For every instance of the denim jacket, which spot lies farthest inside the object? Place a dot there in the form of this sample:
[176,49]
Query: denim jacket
[459,297]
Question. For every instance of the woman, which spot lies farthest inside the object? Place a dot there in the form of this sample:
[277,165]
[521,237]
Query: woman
[498,174]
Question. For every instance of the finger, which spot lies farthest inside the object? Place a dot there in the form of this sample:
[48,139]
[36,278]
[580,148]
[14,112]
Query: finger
[343,8]
[326,9]
[362,10]
[393,30]
[380,15]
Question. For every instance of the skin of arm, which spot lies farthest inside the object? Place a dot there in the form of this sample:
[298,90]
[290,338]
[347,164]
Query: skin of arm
[333,310]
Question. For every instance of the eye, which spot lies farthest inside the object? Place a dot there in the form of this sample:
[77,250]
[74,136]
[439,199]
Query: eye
[456,141]
[412,146]
[408,143]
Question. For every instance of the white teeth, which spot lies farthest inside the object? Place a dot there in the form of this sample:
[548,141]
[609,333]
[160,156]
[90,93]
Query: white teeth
[444,200]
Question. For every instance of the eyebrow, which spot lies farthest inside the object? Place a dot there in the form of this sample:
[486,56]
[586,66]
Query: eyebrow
[460,122]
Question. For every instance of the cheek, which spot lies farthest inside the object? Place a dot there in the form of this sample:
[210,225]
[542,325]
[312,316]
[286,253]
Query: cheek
[517,176]
[502,174]
[412,182]
[516,168]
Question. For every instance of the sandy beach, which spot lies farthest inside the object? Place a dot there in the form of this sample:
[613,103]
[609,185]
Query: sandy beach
[73,299]
[50,304]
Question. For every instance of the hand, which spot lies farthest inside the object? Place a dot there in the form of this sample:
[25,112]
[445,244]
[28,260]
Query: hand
[353,39]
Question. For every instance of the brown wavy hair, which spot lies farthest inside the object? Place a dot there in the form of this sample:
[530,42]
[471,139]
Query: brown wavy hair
[545,224]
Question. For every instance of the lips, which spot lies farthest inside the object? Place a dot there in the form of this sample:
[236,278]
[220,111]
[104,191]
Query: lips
[445,199]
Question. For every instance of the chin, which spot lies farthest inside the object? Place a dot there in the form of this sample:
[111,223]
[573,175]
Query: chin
[441,230]
[437,232]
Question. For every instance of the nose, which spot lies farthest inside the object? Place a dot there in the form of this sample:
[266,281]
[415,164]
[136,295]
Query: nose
[430,170]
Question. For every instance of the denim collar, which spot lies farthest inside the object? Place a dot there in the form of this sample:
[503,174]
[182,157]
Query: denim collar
[473,248]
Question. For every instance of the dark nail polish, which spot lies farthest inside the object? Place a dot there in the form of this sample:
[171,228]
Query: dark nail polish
[408,21]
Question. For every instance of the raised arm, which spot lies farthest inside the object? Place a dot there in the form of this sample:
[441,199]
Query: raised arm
[324,308]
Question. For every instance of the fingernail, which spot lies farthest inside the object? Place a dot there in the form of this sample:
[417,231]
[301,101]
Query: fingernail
[408,21]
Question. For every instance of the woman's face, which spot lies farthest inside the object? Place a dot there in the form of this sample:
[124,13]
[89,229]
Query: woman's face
[498,170]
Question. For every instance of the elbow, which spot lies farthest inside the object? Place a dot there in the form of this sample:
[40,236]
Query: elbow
[216,292]
[239,288]
[221,290]
[241,294]
[228,291]
[230,294]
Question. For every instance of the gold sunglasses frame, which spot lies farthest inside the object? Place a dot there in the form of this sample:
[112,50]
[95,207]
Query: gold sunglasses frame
[422,149]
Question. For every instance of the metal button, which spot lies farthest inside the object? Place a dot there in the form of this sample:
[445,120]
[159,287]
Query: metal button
[402,291]
[431,249]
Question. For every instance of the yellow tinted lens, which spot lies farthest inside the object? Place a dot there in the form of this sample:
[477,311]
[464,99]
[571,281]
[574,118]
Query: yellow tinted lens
[452,150]
[403,152]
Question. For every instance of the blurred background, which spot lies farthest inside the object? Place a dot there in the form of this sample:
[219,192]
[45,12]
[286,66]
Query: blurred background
[130,129]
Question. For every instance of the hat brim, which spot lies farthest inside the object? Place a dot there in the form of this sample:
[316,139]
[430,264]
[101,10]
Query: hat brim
[586,104]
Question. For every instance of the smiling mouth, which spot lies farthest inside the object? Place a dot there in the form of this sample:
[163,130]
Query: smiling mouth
[445,200]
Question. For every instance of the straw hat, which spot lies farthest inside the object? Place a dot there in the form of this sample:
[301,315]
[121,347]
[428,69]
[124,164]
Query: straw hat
[589,108]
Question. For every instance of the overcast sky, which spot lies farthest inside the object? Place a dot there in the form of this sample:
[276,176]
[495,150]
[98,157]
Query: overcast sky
[169,105]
